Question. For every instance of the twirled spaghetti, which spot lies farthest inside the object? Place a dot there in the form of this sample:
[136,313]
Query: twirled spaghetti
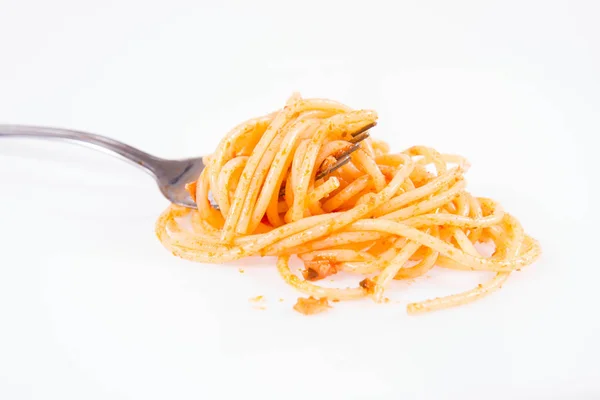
[382,216]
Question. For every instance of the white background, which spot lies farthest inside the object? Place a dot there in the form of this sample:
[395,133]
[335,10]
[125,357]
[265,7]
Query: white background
[91,305]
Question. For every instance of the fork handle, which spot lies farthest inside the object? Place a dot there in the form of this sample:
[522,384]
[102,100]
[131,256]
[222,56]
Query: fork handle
[103,143]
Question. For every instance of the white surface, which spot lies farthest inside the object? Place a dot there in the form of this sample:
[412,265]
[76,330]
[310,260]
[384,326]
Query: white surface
[91,305]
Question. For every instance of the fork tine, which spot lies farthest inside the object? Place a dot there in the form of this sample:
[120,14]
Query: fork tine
[350,150]
[364,129]
[341,160]
[344,158]
[340,163]
[360,137]
[212,201]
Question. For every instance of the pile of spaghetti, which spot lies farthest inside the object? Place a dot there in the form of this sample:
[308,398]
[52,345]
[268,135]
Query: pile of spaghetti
[382,215]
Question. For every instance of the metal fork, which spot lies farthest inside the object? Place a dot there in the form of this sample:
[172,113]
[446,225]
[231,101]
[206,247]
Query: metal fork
[170,175]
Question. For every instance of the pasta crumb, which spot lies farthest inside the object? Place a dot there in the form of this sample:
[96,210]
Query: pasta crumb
[311,305]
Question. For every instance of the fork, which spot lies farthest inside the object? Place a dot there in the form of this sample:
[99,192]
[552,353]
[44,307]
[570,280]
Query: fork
[170,175]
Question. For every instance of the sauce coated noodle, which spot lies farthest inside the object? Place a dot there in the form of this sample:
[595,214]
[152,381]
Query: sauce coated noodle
[383,216]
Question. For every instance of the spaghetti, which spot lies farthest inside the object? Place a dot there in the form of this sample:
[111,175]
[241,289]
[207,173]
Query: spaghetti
[382,215]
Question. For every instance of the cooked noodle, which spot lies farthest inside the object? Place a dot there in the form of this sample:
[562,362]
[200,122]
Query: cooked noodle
[382,216]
